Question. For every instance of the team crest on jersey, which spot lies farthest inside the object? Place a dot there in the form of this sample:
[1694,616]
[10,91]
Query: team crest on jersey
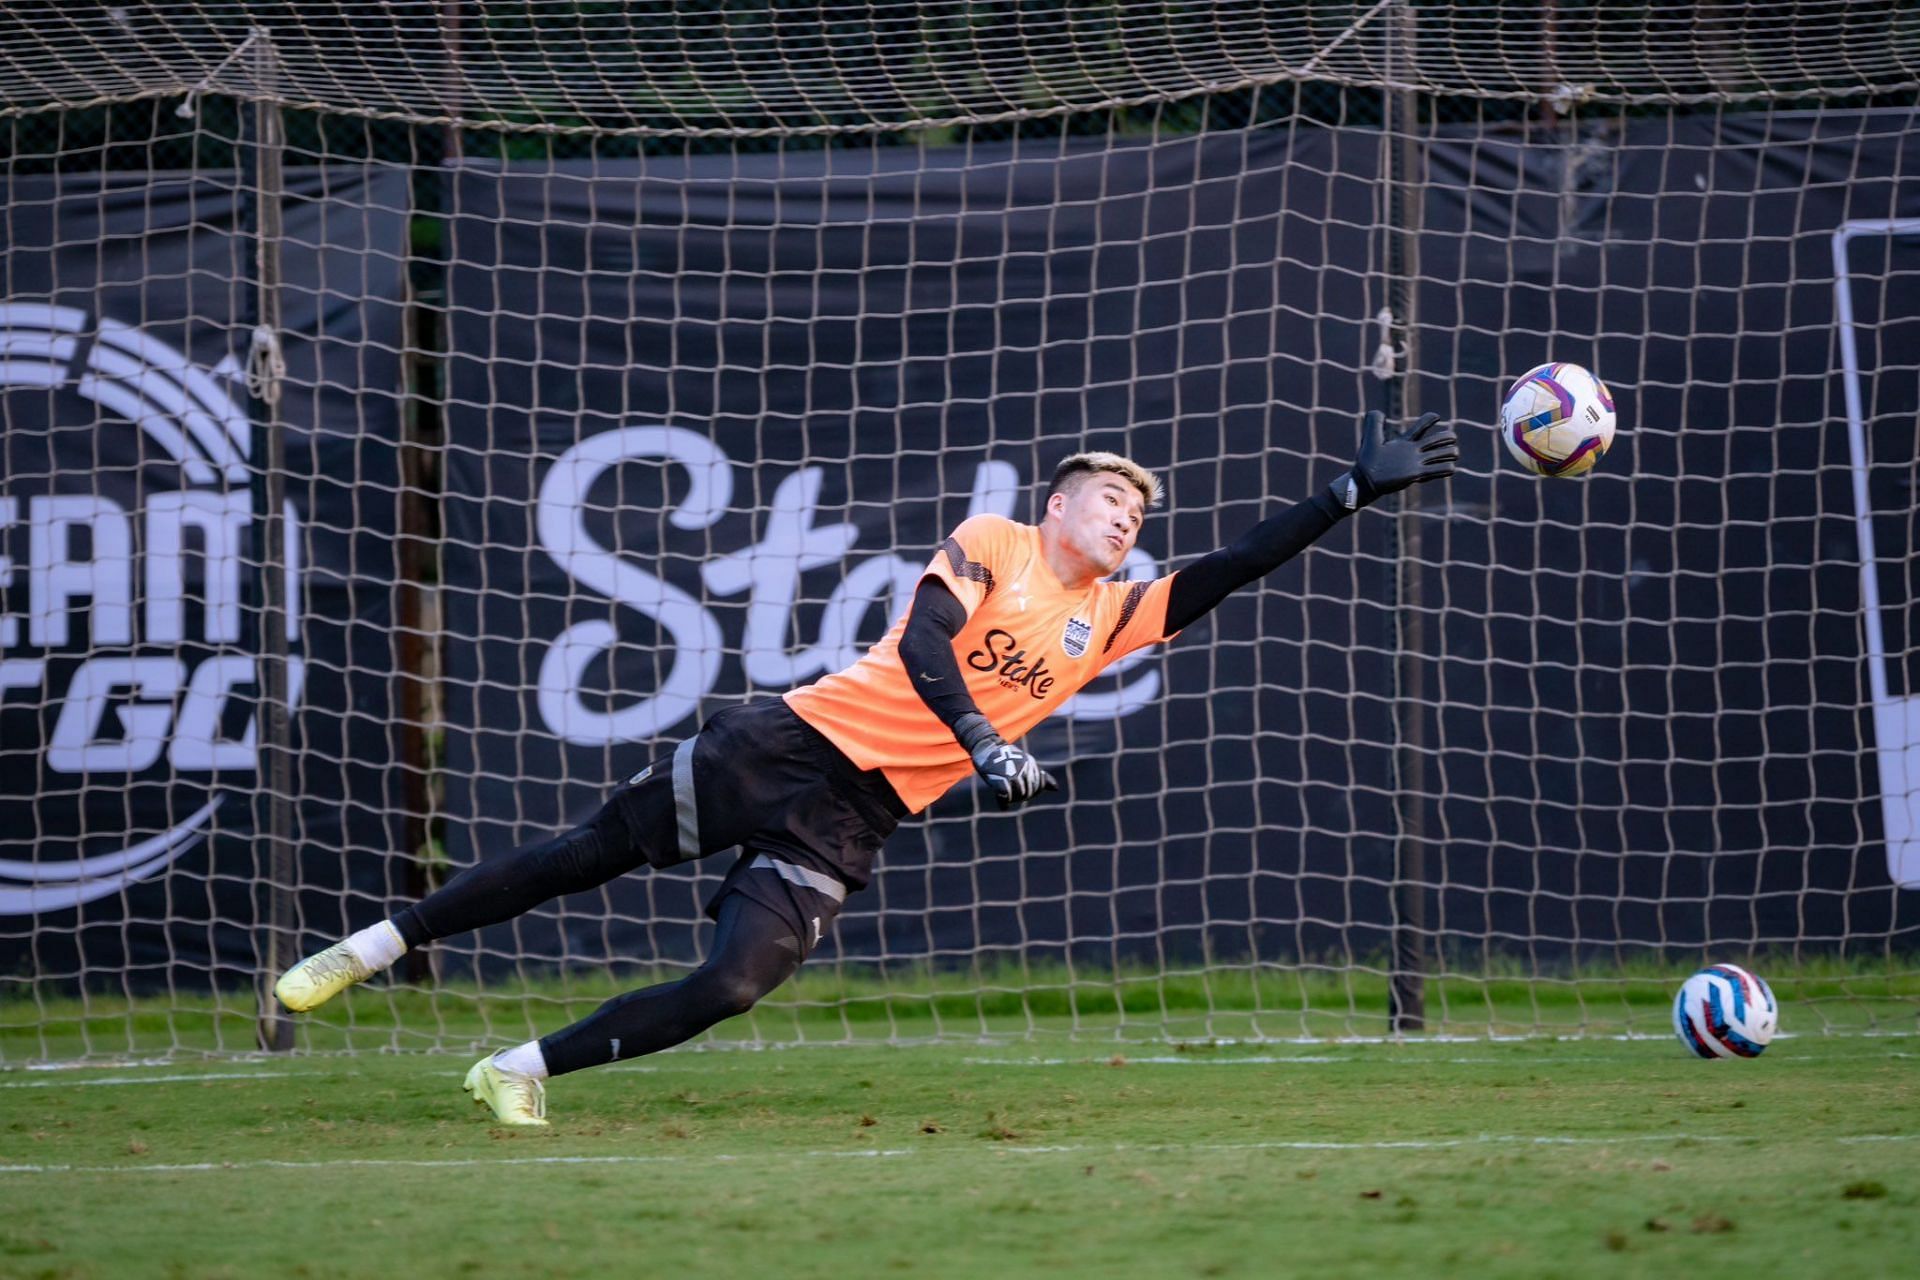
[1074,641]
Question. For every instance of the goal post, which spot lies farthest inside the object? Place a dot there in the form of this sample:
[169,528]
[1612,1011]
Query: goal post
[637,356]
[1896,708]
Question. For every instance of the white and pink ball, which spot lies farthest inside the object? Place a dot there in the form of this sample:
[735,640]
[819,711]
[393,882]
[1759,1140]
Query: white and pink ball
[1558,420]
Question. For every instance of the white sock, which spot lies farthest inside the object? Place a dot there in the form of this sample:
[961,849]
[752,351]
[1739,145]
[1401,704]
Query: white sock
[526,1060]
[377,945]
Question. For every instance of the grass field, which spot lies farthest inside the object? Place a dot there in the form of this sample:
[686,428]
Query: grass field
[1819,994]
[1594,1157]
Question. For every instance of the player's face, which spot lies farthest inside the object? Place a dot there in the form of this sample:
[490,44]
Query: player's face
[1101,521]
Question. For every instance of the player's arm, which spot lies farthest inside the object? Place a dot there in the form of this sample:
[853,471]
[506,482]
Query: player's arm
[926,649]
[1425,451]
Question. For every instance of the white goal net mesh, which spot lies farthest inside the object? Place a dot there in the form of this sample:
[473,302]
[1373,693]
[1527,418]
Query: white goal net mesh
[707,66]
[631,360]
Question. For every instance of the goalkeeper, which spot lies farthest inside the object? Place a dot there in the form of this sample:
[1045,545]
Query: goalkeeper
[1007,623]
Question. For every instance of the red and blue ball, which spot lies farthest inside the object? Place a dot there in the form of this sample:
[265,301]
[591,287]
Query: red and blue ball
[1723,1011]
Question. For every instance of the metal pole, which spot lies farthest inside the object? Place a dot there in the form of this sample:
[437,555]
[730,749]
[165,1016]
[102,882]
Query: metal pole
[1408,994]
[450,36]
[265,370]
[436,155]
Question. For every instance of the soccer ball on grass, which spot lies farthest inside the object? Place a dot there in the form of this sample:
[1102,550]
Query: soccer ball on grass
[1558,420]
[1725,1012]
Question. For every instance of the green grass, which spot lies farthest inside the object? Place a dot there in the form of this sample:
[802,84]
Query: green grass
[1819,995]
[1594,1157]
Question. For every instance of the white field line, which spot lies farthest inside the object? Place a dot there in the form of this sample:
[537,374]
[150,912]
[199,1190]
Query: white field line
[1257,1060]
[1407,1043]
[1157,1060]
[69,1075]
[175,1079]
[1076,1149]
[1204,1059]
[122,1063]
[69,1082]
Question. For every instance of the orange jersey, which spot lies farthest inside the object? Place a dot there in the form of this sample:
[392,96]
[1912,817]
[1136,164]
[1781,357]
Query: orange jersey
[1029,644]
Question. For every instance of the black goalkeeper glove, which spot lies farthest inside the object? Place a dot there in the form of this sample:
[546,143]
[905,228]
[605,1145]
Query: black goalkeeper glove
[1015,776]
[1424,451]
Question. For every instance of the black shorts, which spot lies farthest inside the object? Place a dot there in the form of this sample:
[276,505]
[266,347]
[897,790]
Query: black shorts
[807,900]
[757,777]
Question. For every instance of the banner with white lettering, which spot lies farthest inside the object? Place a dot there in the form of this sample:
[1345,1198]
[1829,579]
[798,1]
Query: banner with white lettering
[709,417]
[129,590]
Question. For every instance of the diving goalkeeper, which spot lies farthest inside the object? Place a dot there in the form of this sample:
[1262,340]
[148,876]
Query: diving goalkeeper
[1007,623]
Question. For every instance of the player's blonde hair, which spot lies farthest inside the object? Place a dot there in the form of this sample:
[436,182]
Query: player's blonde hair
[1066,475]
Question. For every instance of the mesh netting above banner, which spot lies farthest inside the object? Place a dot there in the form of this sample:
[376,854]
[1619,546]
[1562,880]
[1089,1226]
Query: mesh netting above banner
[757,68]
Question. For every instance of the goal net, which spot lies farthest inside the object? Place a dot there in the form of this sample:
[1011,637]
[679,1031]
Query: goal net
[517,384]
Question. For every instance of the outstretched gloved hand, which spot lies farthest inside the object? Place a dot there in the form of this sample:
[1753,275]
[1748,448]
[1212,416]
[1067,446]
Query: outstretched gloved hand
[1425,451]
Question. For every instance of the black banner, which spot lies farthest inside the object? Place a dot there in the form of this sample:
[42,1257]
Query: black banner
[1651,695]
[708,417]
[129,592]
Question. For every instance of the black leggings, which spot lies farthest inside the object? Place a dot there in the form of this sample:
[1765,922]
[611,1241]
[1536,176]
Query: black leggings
[495,890]
[753,952]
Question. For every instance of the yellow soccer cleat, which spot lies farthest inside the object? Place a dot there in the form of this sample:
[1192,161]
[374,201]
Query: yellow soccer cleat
[513,1097]
[321,977]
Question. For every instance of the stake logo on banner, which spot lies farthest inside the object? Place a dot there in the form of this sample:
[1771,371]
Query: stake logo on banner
[768,573]
[88,551]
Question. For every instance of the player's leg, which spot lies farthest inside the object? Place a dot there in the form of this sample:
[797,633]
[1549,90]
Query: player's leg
[655,818]
[744,771]
[755,949]
[610,843]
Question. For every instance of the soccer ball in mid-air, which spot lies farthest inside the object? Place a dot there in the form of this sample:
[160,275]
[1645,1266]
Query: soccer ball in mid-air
[1725,1012]
[1557,420]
